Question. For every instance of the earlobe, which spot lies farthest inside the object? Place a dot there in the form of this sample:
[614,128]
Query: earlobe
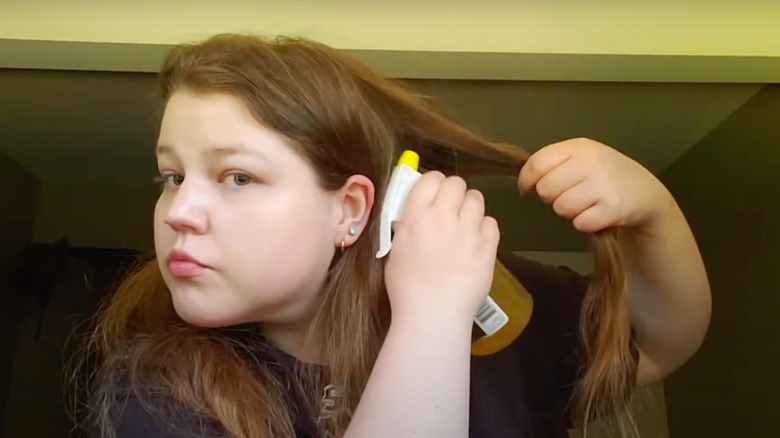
[356,199]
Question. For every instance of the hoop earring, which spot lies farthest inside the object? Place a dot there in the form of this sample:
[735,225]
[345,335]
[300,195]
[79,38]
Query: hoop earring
[343,244]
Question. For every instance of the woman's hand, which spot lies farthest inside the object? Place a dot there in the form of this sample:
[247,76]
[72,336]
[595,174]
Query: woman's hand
[438,273]
[444,251]
[594,185]
[597,187]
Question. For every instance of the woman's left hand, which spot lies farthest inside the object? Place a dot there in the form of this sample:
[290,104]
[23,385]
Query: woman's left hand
[594,185]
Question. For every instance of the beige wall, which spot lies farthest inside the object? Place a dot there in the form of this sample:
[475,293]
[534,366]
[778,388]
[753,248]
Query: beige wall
[729,187]
[18,196]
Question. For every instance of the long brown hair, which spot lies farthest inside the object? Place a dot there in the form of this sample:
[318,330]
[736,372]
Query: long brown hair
[344,119]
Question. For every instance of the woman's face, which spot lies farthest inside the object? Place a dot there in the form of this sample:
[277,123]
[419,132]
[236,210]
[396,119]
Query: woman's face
[243,230]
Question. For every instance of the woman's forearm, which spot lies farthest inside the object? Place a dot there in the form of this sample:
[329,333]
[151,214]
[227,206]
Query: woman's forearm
[419,386]
[668,290]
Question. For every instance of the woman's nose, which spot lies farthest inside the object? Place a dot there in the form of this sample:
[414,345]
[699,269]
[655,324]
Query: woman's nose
[187,212]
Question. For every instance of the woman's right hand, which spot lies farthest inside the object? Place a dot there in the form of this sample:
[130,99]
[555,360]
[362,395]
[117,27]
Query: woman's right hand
[444,252]
[438,273]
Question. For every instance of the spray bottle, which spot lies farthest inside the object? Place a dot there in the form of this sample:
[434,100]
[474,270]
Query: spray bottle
[508,307]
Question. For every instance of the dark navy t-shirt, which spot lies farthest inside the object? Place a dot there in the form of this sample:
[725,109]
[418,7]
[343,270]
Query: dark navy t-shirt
[521,391]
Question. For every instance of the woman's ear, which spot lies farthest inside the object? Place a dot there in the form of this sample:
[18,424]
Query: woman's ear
[355,200]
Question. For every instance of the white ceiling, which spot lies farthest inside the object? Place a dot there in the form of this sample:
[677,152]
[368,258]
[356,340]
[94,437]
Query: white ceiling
[101,125]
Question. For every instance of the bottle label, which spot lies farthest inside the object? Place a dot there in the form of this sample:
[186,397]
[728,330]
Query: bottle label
[490,318]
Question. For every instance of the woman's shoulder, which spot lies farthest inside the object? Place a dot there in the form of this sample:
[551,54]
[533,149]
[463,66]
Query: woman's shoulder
[535,274]
[557,290]
[155,417]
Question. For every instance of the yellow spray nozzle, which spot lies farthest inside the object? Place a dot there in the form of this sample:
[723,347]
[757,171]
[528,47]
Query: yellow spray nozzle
[410,158]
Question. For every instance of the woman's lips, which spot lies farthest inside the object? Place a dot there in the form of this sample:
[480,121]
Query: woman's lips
[182,265]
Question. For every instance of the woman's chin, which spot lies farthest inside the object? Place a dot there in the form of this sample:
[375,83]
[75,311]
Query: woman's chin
[204,315]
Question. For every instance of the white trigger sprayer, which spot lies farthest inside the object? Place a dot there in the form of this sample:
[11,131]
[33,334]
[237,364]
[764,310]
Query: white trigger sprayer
[403,178]
[490,318]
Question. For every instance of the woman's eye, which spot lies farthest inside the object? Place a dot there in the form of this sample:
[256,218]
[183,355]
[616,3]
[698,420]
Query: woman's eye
[170,180]
[175,179]
[240,179]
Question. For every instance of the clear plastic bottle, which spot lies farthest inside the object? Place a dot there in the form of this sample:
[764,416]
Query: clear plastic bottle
[503,316]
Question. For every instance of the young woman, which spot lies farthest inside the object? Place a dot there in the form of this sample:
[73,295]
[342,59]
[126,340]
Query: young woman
[265,312]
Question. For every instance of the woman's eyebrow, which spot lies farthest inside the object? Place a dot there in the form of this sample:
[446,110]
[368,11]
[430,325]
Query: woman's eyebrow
[219,150]
[239,149]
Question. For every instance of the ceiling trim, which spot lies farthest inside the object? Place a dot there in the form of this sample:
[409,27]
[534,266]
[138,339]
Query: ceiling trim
[410,64]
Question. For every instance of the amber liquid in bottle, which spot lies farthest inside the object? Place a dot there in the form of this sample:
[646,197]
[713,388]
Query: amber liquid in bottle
[503,316]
